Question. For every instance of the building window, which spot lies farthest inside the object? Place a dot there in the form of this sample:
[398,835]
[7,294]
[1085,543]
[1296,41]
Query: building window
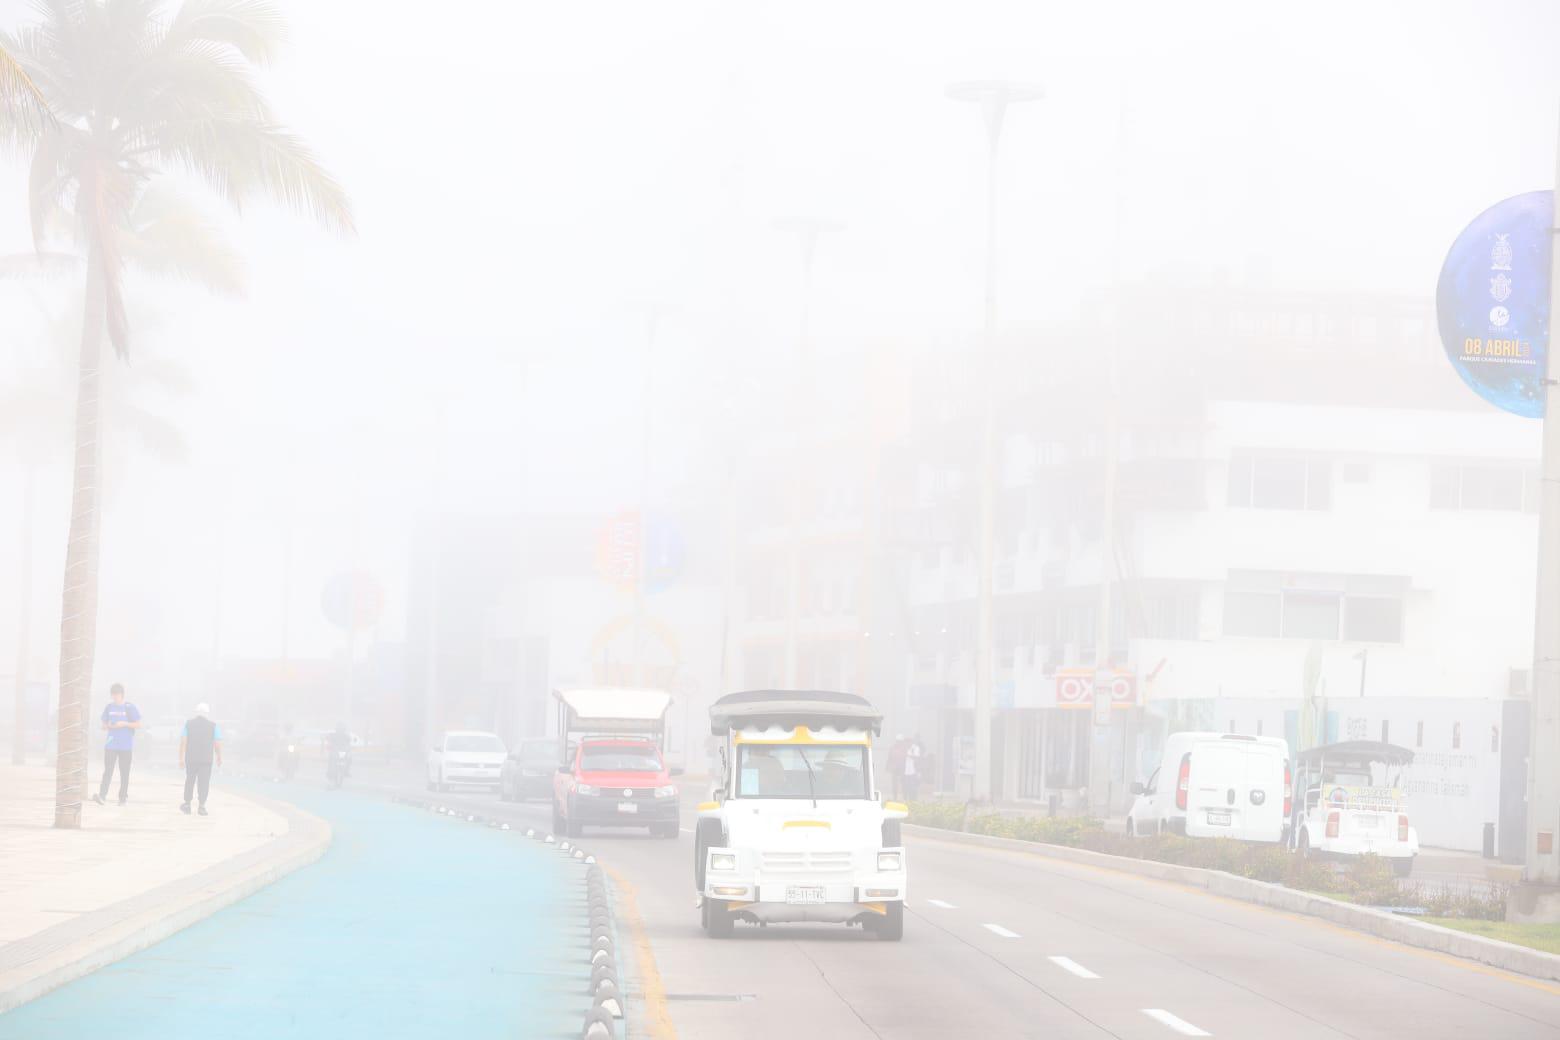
[1419,735]
[1456,485]
[1373,619]
[1456,736]
[1268,604]
[1269,482]
[1384,731]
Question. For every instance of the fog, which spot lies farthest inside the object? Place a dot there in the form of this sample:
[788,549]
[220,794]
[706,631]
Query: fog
[655,345]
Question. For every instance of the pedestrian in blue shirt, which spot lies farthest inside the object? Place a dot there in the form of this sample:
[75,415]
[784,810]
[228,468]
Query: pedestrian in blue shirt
[120,719]
[199,745]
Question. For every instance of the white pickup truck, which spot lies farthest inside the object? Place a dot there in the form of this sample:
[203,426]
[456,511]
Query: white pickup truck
[796,830]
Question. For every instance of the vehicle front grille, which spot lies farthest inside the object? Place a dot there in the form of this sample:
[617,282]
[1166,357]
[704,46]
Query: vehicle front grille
[806,861]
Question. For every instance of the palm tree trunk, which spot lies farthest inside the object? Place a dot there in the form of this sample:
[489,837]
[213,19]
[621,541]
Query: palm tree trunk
[78,622]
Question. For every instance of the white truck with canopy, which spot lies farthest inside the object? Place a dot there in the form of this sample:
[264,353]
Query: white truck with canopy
[796,830]
[1351,799]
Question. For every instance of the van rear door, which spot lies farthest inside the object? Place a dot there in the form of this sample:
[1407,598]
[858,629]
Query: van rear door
[1216,802]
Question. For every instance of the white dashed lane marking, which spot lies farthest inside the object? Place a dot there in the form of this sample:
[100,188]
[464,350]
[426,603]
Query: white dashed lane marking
[942,905]
[1180,1025]
[997,929]
[1068,964]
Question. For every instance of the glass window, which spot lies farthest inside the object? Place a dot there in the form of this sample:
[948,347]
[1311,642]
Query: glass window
[1385,729]
[611,759]
[1373,619]
[1311,615]
[473,742]
[1278,484]
[1240,481]
[1318,485]
[1491,487]
[1250,612]
[802,771]
[1445,487]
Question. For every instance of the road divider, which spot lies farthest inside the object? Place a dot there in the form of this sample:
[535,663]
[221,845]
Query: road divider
[1508,956]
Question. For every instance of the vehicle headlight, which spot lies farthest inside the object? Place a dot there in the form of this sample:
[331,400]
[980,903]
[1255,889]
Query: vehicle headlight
[291,749]
[723,861]
[669,791]
[584,789]
[889,861]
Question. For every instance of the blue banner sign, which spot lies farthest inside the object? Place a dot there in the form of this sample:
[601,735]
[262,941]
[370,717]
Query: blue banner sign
[1492,302]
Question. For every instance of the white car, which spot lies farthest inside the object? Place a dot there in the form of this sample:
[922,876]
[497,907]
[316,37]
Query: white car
[466,757]
[1216,785]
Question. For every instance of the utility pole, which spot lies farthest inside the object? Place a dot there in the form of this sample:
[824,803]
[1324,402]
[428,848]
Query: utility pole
[24,628]
[1543,793]
[807,230]
[993,97]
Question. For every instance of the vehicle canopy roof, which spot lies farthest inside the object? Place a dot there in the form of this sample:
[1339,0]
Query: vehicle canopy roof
[1356,751]
[815,709]
[613,710]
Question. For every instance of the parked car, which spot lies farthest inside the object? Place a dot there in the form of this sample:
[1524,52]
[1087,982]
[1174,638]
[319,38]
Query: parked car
[1222,785]
[465,757]
[528,771]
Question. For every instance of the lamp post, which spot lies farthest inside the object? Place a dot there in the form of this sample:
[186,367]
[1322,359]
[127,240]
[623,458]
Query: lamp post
[993,97]
[807,230]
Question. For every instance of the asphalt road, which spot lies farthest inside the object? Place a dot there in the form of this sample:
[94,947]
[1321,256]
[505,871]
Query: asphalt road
[1006,944]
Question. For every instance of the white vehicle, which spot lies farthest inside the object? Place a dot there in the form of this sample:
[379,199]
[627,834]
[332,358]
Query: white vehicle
[796,831]
[1353,801]
[465,757]
[1220,785]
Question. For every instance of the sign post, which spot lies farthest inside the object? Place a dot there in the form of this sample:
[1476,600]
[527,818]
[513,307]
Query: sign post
[1497,296]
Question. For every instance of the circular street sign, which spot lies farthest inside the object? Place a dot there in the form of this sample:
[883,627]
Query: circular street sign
[1492,302]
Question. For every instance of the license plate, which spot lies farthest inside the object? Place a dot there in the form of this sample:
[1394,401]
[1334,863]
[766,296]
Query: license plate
[1218,818]
[628,807]
[1367,821]
[804,895]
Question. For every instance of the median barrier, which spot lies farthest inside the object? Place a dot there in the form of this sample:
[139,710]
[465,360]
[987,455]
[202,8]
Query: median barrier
[1380,923]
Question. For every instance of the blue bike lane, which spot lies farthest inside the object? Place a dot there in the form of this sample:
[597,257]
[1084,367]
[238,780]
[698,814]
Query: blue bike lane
[413,924]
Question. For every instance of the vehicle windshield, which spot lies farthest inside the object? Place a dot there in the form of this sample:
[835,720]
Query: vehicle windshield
[610,759]
[473,742]
[782,771]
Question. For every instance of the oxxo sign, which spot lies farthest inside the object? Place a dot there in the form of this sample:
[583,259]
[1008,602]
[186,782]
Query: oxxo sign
[1492,303]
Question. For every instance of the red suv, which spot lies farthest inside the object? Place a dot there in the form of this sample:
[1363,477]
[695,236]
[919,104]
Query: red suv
[615,782]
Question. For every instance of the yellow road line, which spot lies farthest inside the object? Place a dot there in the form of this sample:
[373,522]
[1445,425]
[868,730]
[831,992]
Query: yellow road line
[657,1013]
[1307,919]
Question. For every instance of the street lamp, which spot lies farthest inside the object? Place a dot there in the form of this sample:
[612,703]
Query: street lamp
[806,230]
[993,97]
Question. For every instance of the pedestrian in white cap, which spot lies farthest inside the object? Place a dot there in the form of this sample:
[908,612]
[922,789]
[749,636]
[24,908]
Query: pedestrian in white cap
[199,745]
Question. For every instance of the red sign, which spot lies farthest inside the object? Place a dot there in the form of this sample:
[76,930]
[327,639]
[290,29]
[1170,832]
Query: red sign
[1075,687]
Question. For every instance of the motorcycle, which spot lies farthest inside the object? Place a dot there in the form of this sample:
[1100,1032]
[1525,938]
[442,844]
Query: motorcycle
[336,770]
[287,761]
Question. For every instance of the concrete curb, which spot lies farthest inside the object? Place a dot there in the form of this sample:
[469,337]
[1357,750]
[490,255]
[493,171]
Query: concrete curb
[306,840]
[1406,930]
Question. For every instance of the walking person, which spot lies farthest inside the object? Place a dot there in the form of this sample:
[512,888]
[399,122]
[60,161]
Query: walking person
[896,767]
[120,719]
[199,745]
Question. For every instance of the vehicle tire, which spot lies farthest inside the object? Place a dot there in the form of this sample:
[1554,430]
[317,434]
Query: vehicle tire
[1403,866]
[1303,846]
[1131,830]
[719,922]
[670,830]
[891,926]
[708,833]
[891,835]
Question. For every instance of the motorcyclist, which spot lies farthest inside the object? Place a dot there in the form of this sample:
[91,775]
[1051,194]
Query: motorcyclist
[287,752]
[339,740]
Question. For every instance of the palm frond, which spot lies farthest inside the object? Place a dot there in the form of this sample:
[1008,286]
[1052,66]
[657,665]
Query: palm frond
[241,159]
[169,237]
[254,28]
[19,95]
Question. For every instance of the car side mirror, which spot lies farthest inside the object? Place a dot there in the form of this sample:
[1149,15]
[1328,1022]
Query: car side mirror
[563,769]
[1137,789]
[675,771]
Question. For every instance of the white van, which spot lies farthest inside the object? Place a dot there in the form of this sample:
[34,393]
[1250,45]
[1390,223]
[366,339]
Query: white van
[1216,785]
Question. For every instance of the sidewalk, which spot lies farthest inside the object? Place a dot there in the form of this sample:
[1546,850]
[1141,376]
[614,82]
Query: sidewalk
[74,900]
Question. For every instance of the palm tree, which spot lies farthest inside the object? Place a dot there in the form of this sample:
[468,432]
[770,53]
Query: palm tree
[17,90]
[134,93]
